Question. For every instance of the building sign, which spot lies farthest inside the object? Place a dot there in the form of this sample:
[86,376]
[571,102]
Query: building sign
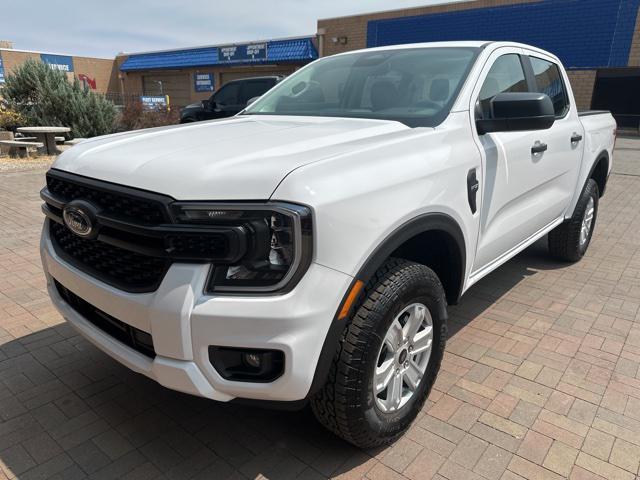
[87,81]
[58,62]
[155,102]
[203,82]
[1,71]
[242,53]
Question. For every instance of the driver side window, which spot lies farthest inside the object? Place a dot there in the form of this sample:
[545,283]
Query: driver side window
[228,94]
[506,75]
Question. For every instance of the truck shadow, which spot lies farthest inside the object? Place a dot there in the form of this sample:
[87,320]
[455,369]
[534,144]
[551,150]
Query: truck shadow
[69,411]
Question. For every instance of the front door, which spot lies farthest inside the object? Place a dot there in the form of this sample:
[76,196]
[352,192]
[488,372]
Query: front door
[226,101]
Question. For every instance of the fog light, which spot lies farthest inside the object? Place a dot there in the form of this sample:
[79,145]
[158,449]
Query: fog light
[252,360]
[247,364]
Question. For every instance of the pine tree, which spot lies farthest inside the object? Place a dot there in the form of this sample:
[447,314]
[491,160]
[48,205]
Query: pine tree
[45,97]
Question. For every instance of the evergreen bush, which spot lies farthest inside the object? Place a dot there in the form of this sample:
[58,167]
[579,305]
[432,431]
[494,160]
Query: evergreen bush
[45,97]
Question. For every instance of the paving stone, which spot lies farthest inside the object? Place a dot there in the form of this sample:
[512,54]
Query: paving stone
[469,451]
[534,447]
[541,379]
[42,447]
[625,455]
[560,458]
[531,471]
[425,465]
[17,460]
[602,468]
[493,462]
[598,444]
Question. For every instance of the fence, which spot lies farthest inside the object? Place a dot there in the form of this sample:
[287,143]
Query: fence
[121,99]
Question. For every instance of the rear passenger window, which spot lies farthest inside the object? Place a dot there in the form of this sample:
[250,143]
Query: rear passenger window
[506,75]
[549,81]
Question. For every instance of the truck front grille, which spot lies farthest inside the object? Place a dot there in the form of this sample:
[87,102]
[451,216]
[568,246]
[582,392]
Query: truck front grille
[132,337]
[116,266]
[134,239]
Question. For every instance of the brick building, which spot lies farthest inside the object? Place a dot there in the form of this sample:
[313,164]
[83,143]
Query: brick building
[192,74]
[597,40]
[99,74]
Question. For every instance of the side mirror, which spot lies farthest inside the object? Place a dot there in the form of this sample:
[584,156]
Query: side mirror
[518,111]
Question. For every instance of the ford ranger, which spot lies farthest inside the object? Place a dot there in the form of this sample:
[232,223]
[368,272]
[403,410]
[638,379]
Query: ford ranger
[306,249]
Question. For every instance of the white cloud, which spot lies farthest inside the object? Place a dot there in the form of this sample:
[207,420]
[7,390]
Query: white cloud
[103,28]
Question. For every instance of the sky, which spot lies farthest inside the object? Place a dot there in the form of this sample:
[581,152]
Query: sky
[105,27]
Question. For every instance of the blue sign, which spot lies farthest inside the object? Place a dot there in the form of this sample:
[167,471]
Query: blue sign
[203,82]
[58,62]
[1,71]
[155,102]
[252,52]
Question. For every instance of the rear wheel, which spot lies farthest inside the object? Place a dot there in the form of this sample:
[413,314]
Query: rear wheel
[570,240]
[388,357]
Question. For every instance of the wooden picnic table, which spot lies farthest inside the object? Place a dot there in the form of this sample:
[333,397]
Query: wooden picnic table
[46,135]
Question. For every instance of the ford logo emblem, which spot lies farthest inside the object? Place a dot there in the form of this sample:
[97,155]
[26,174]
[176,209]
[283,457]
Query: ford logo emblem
[78,220]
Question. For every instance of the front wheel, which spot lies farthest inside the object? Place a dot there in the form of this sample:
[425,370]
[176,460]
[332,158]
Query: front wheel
[388,357]
[570,240]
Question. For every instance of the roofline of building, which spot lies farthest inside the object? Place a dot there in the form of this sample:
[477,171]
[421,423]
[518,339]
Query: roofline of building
[183,49]
[397,10]
[51,53]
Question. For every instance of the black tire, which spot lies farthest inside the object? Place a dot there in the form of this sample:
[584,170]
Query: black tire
[346,404]
[564,240]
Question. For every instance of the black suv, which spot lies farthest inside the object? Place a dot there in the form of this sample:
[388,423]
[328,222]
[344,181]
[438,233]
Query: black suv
[229,100]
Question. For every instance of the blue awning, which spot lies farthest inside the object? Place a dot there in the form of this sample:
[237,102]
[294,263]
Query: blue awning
[277,51]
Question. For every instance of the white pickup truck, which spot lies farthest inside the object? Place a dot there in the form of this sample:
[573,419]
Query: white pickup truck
[306,249]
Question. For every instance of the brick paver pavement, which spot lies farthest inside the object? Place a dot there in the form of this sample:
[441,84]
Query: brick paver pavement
[540,379]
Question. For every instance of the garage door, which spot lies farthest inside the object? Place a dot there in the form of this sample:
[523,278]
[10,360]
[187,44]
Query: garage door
[177,86]
[617,91]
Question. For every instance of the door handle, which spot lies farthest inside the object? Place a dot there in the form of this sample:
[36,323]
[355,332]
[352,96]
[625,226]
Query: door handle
[472,189]
[576,137]
[539,147]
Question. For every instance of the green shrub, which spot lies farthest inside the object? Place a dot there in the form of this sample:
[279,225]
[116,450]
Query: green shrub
[45,97]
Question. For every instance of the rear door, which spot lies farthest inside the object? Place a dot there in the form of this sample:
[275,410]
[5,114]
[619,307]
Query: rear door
[564,139]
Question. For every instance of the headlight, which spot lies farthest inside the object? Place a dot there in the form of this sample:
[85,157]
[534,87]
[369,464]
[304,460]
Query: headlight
[279,243]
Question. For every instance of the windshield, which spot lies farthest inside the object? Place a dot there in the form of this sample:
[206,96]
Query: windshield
[416,86]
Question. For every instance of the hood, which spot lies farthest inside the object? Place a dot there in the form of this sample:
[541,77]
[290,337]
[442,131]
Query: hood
[243,158]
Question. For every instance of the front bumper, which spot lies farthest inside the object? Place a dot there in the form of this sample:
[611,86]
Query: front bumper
[184,322]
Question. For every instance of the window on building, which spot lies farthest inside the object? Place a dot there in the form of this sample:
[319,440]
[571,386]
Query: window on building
[506,75]
[549,81]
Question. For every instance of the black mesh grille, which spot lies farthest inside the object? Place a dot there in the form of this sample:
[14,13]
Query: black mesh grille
[130,336]
[198,245]
[116,266]
[138,210]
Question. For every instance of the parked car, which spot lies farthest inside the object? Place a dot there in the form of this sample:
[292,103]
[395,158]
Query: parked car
[310,256]
[229,99]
